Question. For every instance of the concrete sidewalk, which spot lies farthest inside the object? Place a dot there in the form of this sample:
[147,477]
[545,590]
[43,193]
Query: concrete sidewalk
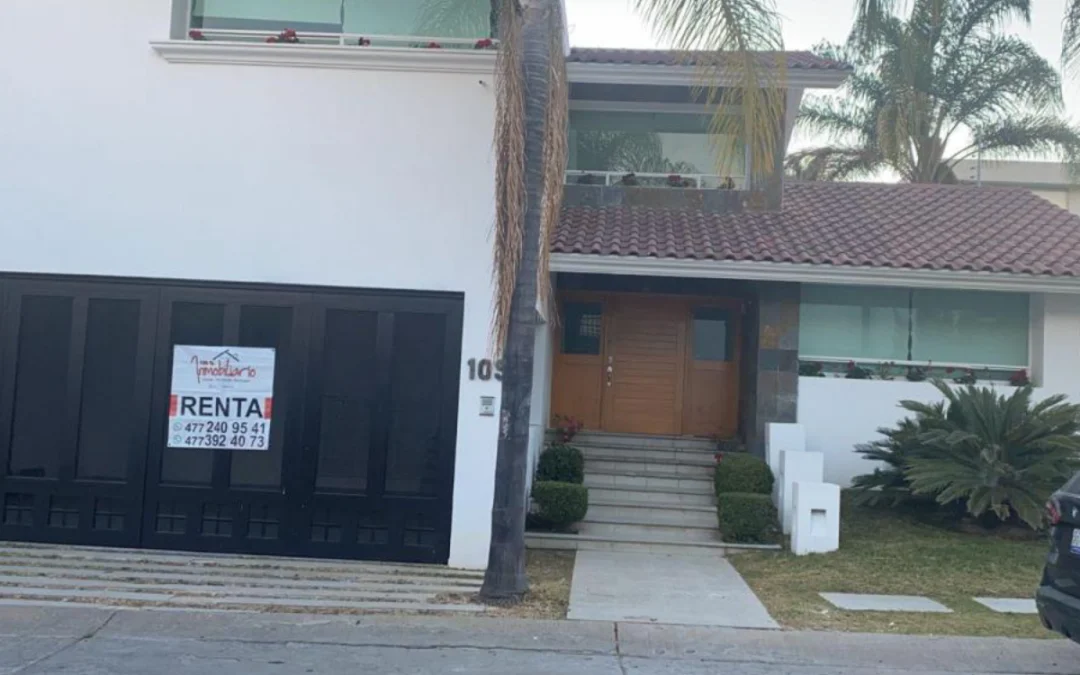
[74,641]
[700,590]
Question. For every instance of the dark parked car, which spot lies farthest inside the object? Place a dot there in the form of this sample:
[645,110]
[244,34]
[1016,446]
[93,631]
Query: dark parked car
[1058,596]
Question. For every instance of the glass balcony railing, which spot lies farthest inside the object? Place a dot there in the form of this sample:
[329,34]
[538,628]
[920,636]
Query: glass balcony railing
[465,24]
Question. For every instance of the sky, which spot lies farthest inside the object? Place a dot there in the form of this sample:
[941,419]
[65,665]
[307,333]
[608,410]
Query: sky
[613,23]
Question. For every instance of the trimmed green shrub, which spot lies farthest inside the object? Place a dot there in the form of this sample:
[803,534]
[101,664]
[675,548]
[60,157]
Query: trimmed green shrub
[747,518]
[560,504]
[561,463]
[742,472]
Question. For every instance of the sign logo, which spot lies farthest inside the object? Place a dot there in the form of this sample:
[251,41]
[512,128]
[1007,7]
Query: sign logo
[221,398]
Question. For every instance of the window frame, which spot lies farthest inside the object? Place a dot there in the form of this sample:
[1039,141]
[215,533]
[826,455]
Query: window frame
[912,323]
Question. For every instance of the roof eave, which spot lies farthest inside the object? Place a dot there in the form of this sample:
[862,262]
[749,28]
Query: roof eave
[809,273]
[688,76]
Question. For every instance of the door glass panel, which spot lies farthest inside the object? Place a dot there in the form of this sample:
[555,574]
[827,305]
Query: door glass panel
[712,334]
[346,401]
[412,461]
[266,327]
[40,386]
[108,389]
[192,324]
[581,327]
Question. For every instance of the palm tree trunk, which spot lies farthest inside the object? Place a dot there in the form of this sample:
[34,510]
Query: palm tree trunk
[505,579]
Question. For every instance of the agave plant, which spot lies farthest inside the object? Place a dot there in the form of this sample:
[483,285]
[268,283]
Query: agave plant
[996,455]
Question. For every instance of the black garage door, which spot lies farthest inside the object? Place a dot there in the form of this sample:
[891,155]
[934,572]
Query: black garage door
[361,454]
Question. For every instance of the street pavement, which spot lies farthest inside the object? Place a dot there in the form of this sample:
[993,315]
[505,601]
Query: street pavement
[85,641]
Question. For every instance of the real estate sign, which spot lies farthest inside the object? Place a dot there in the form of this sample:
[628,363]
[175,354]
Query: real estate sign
[221,398]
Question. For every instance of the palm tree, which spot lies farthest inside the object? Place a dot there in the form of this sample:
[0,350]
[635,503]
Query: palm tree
[929,90]
[870,13]
[530,148]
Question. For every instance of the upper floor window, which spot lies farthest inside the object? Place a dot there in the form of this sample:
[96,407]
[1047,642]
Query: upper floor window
[659,143]
[919,325]
[466,20]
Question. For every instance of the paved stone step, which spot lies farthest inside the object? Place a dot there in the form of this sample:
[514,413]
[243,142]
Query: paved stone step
[659,496]
[647,533]
[647,515]
[616,465]
[633,480]
[603,439]
[39,597]
[217,579]
[681,457]
[223,560]
[583,542]
[357,592]
[71,557]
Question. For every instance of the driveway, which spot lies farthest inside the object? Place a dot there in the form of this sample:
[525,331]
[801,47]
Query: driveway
[86,641]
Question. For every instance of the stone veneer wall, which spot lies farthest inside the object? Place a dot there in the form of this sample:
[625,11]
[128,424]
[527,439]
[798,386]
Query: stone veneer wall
[770,387]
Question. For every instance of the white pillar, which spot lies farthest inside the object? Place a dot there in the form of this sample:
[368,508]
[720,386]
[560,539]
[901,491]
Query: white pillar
[797,466]
[816,520]
[780,436]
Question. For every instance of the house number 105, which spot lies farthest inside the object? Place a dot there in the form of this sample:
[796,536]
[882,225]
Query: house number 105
[484,370]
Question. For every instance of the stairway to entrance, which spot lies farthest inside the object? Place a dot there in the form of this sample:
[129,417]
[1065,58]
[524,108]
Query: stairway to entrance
[647,494]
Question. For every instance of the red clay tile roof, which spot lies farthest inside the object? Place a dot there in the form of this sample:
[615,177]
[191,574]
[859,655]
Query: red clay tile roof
[663,57]
[935,227]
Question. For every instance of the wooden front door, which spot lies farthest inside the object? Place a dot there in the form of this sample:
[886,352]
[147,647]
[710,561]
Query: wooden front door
[648,364]
[643,379]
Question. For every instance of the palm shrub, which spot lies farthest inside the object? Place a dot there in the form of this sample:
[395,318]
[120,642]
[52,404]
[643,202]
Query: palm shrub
[998,456]
[888,485]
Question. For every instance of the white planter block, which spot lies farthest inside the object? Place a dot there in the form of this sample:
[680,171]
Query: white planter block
[780,436]
[797,466]
[816,518]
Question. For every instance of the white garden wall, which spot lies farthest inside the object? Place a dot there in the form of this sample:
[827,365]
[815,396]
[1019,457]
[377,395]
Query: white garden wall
[118,163]
[839,414]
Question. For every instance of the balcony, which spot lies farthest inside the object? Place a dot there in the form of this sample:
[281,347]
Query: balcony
[704,192]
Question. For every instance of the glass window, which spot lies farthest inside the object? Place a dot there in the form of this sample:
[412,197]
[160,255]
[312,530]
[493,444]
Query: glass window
[965,327]
[650,143]
[424,18]
[581,327]
[712,334]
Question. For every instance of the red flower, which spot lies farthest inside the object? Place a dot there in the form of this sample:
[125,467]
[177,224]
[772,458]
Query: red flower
[486,43]
[434,45]
[196,35]
[851,365]
[271,39]
[719,457]
[288,33]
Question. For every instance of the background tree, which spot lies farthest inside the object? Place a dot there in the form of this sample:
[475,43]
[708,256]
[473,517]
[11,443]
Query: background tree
[939,86]
[530,162]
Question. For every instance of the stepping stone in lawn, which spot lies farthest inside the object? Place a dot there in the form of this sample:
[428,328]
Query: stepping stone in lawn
[866,602]
[1009,605]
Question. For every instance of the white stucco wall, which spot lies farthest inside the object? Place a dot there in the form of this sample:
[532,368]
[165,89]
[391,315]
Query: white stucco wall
[540,412]
[118,163]
[839,413]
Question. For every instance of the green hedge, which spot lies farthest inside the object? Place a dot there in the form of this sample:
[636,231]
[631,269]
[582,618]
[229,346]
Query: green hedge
[560,504]
[742,472]
[747,518]
[561,463]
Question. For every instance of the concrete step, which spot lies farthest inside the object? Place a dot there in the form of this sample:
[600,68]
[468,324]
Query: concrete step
[617,465]
[584,542]
[643,532]
[650,515]
[680,457]
[659,496]
[223,560]
[219,579]
[654,478]
[244,608]
[610,440]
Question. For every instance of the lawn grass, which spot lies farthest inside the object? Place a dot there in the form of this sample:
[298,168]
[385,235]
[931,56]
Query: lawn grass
[883,551]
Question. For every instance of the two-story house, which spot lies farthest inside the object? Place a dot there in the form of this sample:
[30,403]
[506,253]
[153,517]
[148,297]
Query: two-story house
[310,185]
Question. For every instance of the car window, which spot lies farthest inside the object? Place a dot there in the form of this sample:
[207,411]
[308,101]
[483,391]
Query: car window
[1073,486]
